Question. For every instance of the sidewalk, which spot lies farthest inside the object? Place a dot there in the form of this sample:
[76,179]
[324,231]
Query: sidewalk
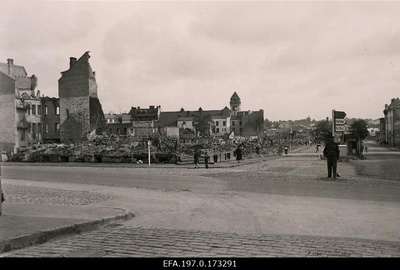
[23,224]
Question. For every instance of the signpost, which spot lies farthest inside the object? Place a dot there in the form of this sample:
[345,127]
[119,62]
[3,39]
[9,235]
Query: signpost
[338,123]
[148,145]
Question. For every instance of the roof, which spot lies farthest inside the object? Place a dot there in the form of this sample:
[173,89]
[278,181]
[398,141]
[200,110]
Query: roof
[111,116]
[235,97]
[16,71]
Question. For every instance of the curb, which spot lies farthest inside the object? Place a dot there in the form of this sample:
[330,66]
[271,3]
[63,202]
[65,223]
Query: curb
[44,236]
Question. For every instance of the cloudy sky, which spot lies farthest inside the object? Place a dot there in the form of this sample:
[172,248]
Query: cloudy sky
[291,59]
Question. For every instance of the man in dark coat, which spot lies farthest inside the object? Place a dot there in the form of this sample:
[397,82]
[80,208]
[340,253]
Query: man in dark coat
[238,153]
[332,152]
[206,159]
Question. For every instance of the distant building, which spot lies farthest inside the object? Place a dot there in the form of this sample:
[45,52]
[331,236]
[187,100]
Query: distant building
[51,119]
[145,114]
[392,122]
[80,108]
[245,123]
[115,124]
[225,121]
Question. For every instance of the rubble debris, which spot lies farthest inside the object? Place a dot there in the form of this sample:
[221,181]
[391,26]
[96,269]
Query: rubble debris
[102,148]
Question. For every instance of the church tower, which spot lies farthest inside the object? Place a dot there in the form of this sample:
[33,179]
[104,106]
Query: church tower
[235,104]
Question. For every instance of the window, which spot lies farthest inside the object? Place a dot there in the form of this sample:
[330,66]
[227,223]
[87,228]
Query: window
[217,130]
[240,123]
[57,127]
[46,128]
[33,109]
[46,110]
[39,108]
[217,123]
[224,123]
[39,128]
[57,110]
[125,131]
[33,130]
[233,123]
[23,135]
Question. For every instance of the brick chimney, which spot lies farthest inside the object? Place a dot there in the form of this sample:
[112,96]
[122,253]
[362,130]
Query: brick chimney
[72,61]
[10,63]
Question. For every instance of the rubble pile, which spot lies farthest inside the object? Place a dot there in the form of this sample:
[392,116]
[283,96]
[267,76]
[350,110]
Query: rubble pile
[128,149]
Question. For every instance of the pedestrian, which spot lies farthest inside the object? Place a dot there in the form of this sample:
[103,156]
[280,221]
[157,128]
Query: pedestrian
[317,148]
[286,149]
[238,153]
[196,158]
[366,149]
[280,150]
[206,159]
[332,152]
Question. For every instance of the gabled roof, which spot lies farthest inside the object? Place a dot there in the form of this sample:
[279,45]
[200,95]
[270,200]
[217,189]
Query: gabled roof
[16,71]
[83,61]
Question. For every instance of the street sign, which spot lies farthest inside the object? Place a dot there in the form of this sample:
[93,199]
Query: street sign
[339,114]
[340,128]
[340,121]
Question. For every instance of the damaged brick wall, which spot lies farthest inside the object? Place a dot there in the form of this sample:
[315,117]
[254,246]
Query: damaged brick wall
[97,118]
[80,109]
[253,124]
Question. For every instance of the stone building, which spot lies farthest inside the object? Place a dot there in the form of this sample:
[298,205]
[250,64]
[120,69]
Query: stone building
[20,107]
[392,122]
[80,108]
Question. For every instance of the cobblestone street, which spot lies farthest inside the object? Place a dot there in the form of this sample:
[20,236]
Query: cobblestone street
[118,240]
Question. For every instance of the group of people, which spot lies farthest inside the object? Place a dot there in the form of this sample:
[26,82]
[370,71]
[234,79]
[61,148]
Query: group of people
[198,154]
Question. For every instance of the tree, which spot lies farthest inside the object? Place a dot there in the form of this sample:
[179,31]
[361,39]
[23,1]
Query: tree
[203,123]
[322,131]
[359,130]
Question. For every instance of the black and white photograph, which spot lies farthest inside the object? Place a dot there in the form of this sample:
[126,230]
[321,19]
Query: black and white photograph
[199,134]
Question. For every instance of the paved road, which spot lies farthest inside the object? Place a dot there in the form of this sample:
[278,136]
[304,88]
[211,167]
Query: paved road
[283,207]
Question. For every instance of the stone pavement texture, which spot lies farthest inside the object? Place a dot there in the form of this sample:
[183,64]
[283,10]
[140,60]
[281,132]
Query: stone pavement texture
[29,220]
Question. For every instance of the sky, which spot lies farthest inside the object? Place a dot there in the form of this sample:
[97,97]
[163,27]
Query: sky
[291,59]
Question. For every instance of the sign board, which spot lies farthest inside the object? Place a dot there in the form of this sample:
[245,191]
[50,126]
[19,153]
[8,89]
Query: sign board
[340,128]
[339,114]
[340,121]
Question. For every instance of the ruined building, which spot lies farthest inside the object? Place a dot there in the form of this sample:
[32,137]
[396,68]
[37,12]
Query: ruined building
[80,108]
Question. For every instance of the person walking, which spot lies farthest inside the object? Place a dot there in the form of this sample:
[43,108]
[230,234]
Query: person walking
[238,153]
[317,148]
[286,149]
[206,159]
[196,159]
[332,152]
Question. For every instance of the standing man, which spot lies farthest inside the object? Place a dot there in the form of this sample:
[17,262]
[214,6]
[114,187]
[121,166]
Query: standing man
[196,158]
[206,159]
[238,153]
[331,152]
